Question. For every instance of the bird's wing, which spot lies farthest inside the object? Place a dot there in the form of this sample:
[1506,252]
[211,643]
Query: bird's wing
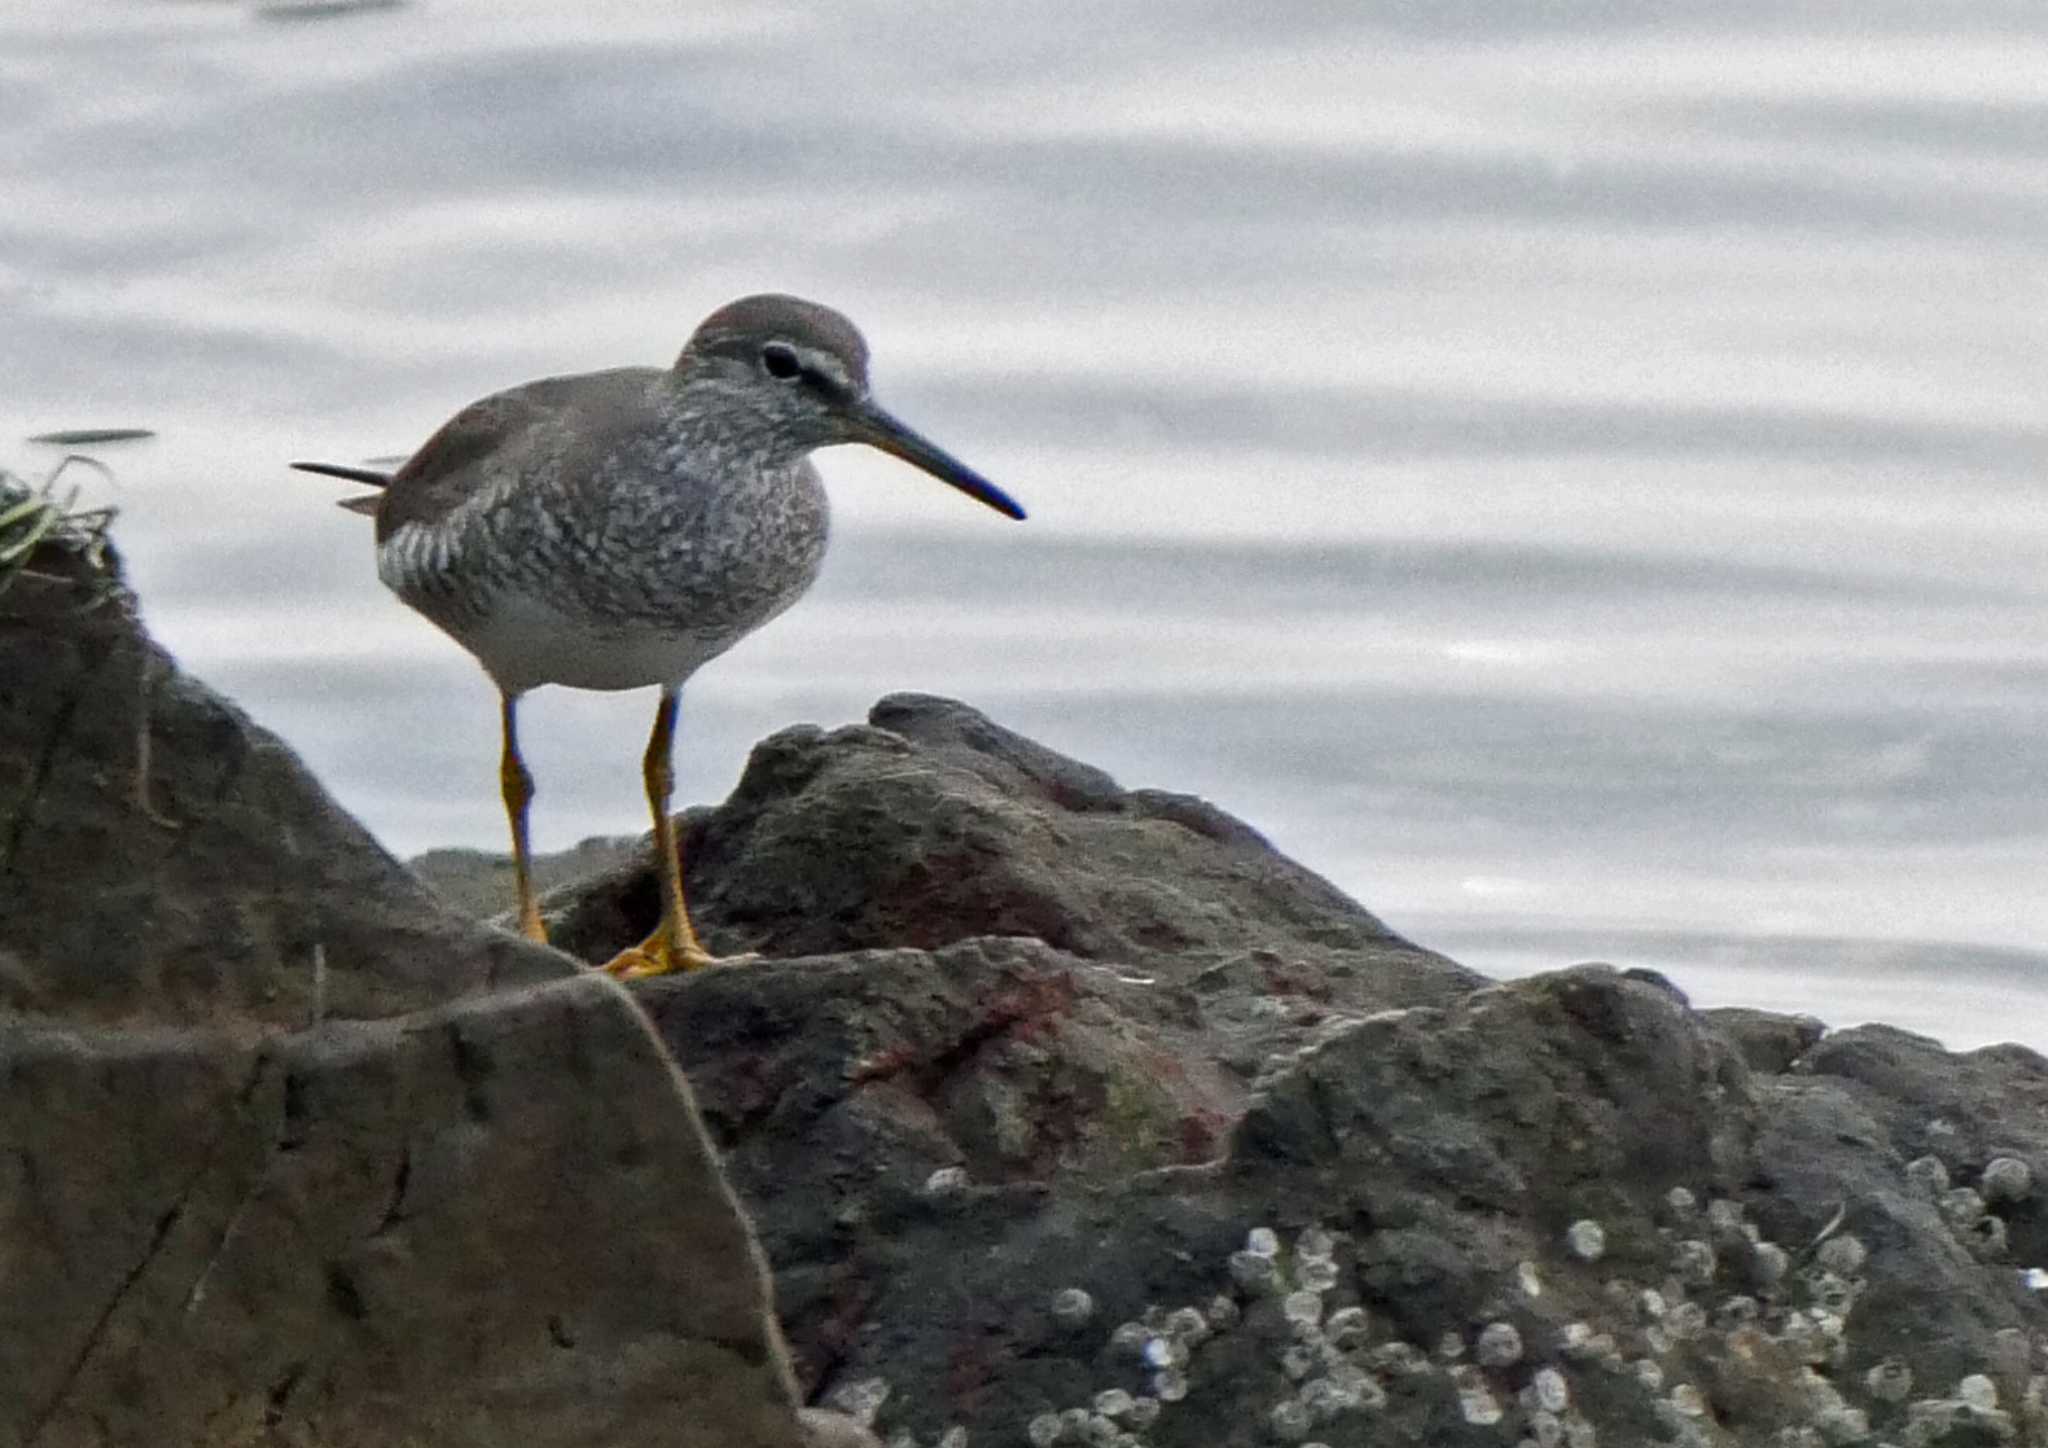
[500,436]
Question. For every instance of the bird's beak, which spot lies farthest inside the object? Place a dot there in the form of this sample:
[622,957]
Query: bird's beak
[877,428]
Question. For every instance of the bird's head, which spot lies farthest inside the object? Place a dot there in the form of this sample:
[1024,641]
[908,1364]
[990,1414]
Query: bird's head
[798,373]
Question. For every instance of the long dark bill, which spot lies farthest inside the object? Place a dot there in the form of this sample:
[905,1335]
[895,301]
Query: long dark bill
[878,429]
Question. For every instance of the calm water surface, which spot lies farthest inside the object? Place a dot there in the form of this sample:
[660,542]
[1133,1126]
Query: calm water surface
[1576,483]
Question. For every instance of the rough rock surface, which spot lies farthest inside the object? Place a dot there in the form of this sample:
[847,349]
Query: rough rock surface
[1066,1114]
[289,1154]
[1032,1059]
[930,824]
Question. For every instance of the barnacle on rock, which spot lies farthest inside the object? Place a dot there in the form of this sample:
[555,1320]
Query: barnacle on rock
[1553,1394]
[1725,1219]
[1499,1345]
[1694,1262]
[1769,1263]
[1188,1324]
[1317,1274]
[1736,1311]
[1254,1271]
[1929,1174]
[1687,1400]
[1962,1206]
[1164,1352]
[1986,1237]
[859,1400]
[1686,1321]
[1114,1403]
[1843,1254]
[1586,1240]
[1479,1406]
[1072,1306]
[1302,1307]
[1347,1328]
[2006,1179]
[1978,1393]
[1290,1421]
[1891,1381]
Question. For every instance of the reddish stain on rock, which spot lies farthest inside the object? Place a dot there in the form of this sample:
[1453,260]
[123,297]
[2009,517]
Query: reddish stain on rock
[1201,1134]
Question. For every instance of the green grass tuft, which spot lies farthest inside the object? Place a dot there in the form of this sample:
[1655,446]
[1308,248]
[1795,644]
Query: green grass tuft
[36,516]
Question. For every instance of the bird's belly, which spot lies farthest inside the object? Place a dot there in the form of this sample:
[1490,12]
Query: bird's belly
[524,642]
[636,601]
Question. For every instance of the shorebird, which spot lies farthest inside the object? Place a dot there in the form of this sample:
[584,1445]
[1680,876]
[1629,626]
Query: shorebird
[620,529]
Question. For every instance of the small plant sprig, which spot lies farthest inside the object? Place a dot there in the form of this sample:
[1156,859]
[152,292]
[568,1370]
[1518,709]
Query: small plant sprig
[34,514]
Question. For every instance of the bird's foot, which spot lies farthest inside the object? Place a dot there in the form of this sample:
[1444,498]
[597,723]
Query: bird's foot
[662,954]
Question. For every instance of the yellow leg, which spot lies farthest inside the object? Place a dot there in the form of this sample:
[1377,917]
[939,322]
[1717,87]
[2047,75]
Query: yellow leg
[673,945]
[517,786]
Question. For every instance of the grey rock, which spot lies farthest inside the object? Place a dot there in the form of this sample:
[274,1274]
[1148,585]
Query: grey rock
[1866,1101]
[291,1155]
[1770,1041]
[1448,1147]
[1022,1030]
[931,824]
[1019,1030]
[165,860]
[477,883]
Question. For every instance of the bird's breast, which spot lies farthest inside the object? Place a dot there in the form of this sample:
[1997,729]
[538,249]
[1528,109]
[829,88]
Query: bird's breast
[725,558]
[642,589]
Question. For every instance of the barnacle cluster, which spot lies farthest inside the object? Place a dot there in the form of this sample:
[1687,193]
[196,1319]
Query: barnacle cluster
[1975,1213]
[1720,1305]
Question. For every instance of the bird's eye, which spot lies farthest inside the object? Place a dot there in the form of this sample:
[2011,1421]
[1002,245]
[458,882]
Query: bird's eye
[778,360]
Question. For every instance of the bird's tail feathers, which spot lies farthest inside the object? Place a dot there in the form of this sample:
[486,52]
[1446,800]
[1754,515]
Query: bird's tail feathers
[372,476]
[365,503]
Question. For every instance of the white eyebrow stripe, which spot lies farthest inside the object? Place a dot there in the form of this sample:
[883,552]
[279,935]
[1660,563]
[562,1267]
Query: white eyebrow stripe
[826,364]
